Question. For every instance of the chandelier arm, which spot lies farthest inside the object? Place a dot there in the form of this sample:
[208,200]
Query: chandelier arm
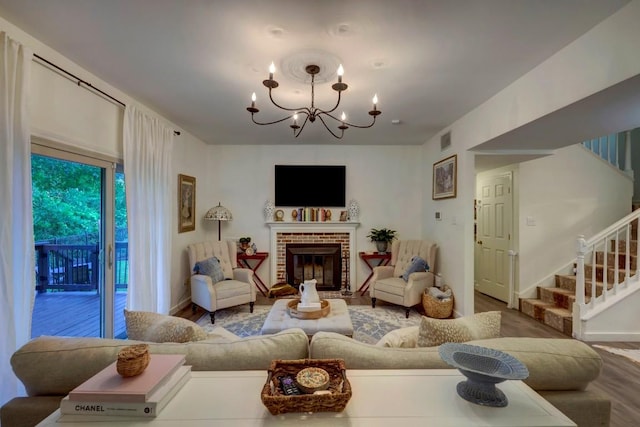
[347,123]
[329,129]
[301,127]
[334,107]
[285,108]
[270,123]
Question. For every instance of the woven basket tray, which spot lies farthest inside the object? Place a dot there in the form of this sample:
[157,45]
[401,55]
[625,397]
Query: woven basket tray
[325,309]
[436,308]
[278,403]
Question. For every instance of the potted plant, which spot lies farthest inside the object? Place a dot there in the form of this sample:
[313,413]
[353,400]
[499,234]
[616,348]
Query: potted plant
[382,237]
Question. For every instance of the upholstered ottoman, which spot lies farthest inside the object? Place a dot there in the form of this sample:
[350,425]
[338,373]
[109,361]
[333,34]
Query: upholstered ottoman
[337,320]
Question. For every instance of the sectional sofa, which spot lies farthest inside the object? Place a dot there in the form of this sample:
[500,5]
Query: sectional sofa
[49,367]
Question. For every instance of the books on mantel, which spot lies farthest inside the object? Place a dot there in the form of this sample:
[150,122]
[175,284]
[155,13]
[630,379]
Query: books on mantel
[149,408]
[108,386]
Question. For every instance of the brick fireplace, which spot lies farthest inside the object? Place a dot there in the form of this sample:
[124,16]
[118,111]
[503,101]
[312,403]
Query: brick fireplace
[315,237]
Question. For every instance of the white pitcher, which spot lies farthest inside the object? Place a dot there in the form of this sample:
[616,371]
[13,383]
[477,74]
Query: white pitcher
[308,292]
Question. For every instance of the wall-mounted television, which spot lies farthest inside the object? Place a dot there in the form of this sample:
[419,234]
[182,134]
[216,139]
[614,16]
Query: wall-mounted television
[310,185]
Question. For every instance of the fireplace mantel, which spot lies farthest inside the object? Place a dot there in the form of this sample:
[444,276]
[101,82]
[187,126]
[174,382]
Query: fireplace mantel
[305,227]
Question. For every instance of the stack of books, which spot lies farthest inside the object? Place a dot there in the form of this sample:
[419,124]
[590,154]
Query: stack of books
[108,394]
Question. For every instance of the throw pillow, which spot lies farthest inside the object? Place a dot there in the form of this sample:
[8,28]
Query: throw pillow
[417,264]
[210,267]
[155,327]
[433,332]
[400,338]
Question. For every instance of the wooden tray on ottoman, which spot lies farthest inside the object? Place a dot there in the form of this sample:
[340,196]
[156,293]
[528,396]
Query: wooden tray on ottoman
[278,403]
[292,307]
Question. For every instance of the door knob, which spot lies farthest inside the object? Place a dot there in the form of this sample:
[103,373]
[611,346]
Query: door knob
[479,242]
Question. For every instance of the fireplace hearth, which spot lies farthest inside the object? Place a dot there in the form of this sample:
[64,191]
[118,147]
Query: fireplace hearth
[319,261]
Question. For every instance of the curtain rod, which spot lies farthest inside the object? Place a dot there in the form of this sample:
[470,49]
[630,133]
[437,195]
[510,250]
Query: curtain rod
[86,83]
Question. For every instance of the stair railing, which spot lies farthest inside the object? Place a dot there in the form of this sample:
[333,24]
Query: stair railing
[613,148]
[608,243]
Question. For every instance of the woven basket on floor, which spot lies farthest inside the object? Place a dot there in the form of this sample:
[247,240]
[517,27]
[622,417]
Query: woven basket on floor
[438,309]
[133,360]
[279,403]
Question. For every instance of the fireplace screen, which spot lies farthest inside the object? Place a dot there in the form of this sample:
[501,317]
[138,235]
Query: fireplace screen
[320,261]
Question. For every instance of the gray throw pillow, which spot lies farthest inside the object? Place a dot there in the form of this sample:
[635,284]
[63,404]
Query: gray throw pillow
[210,267]
[417,264]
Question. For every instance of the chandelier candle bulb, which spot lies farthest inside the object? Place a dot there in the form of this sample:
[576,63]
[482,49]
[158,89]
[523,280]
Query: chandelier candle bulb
[253,100]
[340,73]
[272,69]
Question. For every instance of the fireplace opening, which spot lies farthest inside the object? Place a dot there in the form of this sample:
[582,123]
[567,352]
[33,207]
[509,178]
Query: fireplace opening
[320,261]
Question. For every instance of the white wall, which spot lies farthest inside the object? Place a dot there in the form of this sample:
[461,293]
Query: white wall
[62,111]
[568,76]
[618,322]
[560,194]
[568,194]
[384,180]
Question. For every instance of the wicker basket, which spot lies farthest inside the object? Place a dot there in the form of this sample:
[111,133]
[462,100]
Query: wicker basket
[438,309]
[133,360]
[278,403]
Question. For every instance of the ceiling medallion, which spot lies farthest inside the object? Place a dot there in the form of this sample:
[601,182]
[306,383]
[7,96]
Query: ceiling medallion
[312,112]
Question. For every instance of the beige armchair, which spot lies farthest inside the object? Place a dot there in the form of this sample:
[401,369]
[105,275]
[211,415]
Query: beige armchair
[387,283]
[236,288]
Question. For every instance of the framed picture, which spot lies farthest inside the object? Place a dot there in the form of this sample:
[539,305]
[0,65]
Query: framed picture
[186,203]
[445,178]
[343,216]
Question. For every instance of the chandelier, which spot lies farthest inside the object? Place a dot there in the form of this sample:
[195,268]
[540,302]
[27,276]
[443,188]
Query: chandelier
[312,113]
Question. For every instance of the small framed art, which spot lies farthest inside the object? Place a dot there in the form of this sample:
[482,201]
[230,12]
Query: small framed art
[186,203]
[445,178]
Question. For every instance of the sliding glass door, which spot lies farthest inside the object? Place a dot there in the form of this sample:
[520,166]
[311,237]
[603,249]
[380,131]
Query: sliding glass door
[79,218]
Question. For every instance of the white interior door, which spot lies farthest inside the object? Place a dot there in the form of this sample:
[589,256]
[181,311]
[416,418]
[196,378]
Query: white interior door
[493,238]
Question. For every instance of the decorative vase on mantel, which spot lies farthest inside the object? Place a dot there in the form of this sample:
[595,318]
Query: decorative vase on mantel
[269,208]
[353,210]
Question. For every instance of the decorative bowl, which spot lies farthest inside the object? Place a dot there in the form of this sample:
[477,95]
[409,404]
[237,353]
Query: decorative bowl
[484,368]
[312,379]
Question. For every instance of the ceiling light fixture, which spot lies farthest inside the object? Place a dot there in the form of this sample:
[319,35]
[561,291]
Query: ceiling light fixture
[312,113]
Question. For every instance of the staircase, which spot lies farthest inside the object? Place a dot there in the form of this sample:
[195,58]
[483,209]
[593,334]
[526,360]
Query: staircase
[554,306]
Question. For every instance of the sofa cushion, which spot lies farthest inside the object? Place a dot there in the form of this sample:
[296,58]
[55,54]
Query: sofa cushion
[210,267]
[553,364]
[155,327]
[56,365]
[433,332]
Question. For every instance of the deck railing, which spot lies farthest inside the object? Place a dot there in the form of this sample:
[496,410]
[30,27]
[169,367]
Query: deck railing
[77,267]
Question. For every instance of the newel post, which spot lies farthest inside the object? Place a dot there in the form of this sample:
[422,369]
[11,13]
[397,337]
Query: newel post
[578,305]
[581,249]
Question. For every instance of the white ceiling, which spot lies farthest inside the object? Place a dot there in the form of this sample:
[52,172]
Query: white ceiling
[197,62]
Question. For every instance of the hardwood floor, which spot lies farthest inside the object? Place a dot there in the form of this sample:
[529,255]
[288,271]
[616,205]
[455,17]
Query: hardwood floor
[618,380]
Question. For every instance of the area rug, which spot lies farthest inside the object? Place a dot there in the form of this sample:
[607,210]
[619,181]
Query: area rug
[369,324]
[631,354]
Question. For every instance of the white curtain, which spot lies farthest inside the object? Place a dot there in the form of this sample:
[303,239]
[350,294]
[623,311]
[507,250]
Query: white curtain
[148,144]
[17,264]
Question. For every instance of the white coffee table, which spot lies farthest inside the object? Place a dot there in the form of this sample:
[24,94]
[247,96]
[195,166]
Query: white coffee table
[410,397]
[337,320]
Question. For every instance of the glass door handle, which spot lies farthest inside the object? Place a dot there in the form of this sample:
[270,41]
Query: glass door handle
[110,256]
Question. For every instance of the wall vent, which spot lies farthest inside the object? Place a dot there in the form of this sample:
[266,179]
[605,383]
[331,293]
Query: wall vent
[445,141]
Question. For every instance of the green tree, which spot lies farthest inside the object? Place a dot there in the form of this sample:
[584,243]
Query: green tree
[67,198]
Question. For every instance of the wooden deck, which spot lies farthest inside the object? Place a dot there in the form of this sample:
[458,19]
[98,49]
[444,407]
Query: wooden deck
[73,314]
